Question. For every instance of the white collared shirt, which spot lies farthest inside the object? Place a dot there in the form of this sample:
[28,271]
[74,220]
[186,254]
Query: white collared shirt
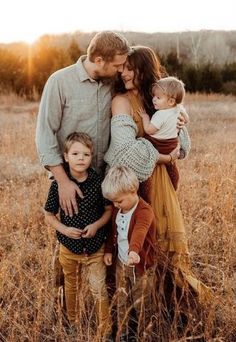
[123,222]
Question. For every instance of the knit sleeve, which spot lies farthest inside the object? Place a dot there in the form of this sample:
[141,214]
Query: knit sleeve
[125,149]
[185,143]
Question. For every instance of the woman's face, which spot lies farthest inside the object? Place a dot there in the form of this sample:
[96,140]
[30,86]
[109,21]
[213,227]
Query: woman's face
[128,76]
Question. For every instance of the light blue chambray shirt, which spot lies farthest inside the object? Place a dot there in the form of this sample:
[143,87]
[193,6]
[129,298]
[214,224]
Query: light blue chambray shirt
[72,101]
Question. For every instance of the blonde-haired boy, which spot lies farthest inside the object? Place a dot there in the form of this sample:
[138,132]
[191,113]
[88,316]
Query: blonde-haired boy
[168,95]
[161,129]
[132,242]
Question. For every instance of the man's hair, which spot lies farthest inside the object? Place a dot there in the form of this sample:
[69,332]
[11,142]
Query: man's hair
[107,44]
[119,179]
[171,87]
[80,137]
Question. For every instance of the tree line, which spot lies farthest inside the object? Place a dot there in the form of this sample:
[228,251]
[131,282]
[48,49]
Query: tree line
[26,73]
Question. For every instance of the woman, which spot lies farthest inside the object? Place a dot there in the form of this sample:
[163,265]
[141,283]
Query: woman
[128,147]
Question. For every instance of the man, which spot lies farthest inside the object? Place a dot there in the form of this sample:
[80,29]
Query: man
[78,98]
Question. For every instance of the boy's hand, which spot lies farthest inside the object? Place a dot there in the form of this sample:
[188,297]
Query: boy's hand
[107,259]
[133,258]
[89,231]
[73,233]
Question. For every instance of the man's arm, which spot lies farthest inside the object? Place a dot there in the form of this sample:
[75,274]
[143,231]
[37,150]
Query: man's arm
[48,124]
[50,155]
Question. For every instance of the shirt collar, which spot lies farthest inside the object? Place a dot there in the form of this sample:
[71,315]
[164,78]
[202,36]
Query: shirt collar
[91,174]
[83,75]
[130,212]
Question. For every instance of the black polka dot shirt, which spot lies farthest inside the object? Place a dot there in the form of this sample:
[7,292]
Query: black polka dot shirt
[91,208]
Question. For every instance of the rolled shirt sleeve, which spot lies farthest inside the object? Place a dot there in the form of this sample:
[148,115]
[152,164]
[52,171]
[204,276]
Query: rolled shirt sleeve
[48,124]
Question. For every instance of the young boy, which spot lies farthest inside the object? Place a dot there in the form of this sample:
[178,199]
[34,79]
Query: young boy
[161,130]
[133,241]
[82,236]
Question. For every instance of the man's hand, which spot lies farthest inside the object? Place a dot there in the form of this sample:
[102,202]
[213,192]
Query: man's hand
[89,231]
[67,196]
[73,233]
[107,259]
[133,258]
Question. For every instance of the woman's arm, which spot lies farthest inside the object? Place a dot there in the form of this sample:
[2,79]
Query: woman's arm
[125,148]
[185,143]
[120,105]
[168,158]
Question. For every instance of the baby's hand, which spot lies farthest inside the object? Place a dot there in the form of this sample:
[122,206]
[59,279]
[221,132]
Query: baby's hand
[133,258]
[141,112]
[107,259]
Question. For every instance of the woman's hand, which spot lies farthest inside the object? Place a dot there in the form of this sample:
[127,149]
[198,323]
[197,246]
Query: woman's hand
[168,158]
[175,153]
[182,119]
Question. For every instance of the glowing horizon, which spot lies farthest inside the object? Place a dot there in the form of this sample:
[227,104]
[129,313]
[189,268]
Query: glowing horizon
[27,20]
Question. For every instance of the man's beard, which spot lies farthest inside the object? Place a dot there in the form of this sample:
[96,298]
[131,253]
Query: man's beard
[105,79]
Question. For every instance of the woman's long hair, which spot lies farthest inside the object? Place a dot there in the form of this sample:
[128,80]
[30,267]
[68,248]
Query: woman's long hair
[147,70]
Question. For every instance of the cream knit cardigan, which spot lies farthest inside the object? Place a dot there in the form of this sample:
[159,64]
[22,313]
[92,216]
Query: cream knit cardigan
[137,153]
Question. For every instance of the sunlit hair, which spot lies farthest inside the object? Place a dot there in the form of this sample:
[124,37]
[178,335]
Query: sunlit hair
[119,180]
[172,87]
[147,70]
[80,137]
[107,44]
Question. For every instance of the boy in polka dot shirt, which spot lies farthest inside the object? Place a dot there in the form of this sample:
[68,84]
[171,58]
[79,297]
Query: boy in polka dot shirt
[82,235]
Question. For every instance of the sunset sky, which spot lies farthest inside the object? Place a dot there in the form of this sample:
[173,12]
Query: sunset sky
[26,20]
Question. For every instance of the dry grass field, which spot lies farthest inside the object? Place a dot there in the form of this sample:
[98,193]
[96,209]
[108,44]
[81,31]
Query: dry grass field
[29,306]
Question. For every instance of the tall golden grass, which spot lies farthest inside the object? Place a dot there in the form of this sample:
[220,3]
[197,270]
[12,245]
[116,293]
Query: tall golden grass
[30,308]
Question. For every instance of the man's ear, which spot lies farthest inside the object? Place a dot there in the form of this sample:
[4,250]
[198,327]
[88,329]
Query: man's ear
[98,60]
